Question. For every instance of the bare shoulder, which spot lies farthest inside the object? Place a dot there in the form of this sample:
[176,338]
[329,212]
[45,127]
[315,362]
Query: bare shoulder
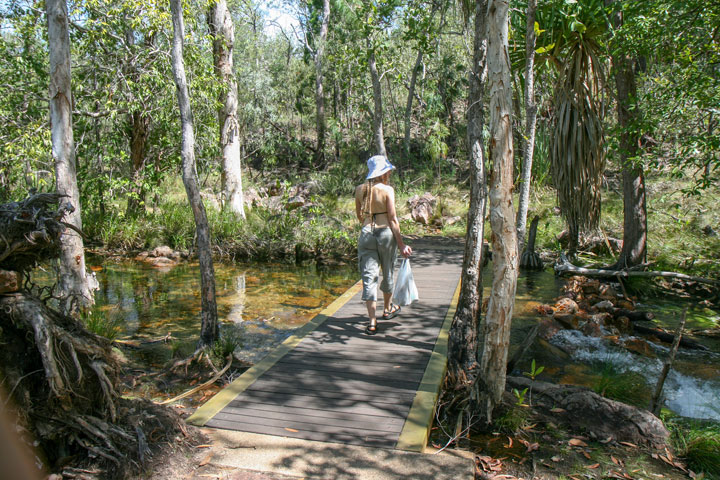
[358,190]
[387,190]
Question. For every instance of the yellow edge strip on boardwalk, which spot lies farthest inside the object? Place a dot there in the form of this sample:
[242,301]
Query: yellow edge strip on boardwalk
[213,406]
[416,430]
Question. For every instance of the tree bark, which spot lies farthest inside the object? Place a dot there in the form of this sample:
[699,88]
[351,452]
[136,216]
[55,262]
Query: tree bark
[530,121]
[408,105]
[319,96]
[496,327]
[73,284]
[634,250]
[223,33]
[139,124]
[139,129]
[377,100]
[463,336]
[209,325]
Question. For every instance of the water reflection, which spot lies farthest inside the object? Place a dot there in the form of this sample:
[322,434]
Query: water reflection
[266,302]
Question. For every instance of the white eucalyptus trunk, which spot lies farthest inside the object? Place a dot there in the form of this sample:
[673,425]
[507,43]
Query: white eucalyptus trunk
[378,131]
[409,103]
[496,327]
[530,123]
[223,33]
[319,94]
[209,317]
[73,284]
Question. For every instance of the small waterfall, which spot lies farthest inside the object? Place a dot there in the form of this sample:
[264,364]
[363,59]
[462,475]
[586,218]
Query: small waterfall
[685,395]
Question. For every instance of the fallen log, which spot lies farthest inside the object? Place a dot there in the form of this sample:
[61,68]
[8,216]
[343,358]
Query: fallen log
[669,337]
[634,316]
[564,267]
[586,411]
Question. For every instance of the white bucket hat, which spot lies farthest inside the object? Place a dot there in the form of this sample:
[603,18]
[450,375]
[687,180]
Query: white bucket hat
[378,165]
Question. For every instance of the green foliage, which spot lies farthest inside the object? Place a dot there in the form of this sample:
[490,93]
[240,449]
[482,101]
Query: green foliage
[230,339]
[102,323]
[534,371]
[624,386]
[520,396]
[698,442]
[514,419]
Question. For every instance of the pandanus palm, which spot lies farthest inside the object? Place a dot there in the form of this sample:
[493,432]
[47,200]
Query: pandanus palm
[577,153]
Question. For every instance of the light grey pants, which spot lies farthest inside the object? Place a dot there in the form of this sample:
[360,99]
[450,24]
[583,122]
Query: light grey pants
[377,249]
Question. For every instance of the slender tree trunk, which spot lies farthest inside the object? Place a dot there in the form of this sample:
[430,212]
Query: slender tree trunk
[408,105]
[634,209]
[223,33]
[377,99]
[496,328]
[139,124]
[319,96]
[73,284]
[209,326]
[463,336]
[530,121]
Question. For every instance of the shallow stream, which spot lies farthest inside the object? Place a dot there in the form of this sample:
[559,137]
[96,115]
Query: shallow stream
[266,303]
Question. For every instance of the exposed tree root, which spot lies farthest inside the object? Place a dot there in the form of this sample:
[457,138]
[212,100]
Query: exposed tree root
[64,392]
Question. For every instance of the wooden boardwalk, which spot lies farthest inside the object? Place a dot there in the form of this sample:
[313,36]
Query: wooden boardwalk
[331,382]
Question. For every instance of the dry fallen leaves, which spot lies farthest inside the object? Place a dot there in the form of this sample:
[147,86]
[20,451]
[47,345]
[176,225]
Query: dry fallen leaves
[593,466]
[628,444]
[291,429]
[576,442]
[488,464]
[531,446]
[206,460]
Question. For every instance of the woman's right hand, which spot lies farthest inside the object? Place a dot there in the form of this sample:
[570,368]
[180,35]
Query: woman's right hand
[406,251]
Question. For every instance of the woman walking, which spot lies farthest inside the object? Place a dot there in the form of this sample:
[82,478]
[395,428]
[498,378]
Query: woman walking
[379,240]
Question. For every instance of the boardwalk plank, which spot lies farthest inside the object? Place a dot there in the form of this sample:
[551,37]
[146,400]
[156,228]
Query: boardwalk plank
[338,384]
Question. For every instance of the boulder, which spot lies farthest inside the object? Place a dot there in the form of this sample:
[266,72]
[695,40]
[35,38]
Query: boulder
[422,208]
[566,305]
[604,306]
[294,202]
[567,320]
[640,346]
[587,412]
[592,329]
[548,328]
[164,251]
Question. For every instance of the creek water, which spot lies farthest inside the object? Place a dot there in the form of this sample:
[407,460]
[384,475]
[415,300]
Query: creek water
[266,303]
[263,303]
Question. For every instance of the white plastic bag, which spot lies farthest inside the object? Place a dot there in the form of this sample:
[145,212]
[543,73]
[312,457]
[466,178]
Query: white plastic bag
[405,290]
